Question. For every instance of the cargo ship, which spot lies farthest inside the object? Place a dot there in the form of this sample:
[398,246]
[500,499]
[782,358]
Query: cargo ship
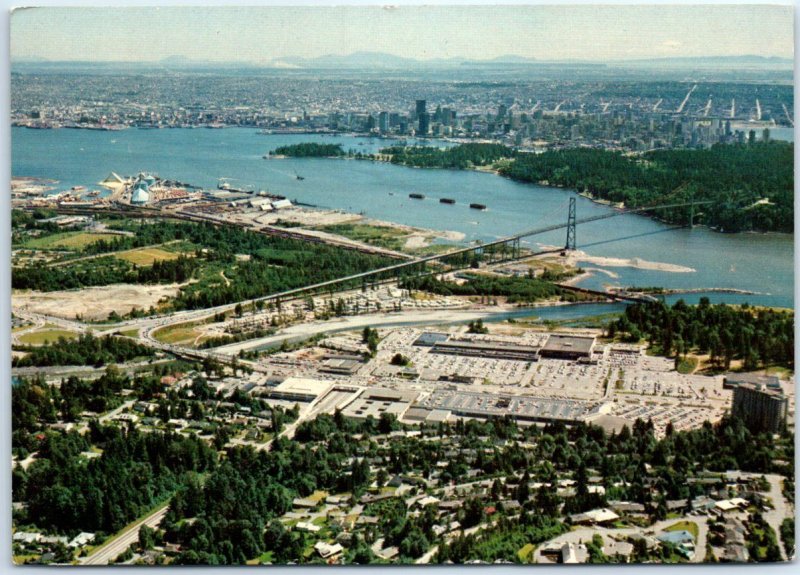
[477,206]
[447,201]
[416,196]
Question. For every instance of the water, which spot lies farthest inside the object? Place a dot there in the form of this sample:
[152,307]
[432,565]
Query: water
[761,263]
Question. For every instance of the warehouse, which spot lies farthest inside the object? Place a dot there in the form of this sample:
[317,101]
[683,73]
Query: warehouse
[299,389]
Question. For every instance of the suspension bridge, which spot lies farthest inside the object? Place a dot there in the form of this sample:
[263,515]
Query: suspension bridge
[496,251]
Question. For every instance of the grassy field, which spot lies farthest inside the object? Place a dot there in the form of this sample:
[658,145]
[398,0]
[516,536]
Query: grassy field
[182,334]
[146,256]
[67,240]
[45,336]
[130,332]
[381,236]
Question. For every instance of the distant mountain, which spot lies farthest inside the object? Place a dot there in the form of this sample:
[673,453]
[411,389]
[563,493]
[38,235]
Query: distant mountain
[354,60]
[380,60]
[709,61]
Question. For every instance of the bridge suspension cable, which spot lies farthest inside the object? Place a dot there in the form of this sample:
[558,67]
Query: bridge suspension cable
[424,260]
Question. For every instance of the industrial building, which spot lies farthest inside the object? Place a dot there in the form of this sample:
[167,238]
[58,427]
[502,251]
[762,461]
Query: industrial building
[567,347]
[280,204]
[141,195]
[299,389]
[761,408]
[430,338]
[487,349]
[375,402]
[522,408]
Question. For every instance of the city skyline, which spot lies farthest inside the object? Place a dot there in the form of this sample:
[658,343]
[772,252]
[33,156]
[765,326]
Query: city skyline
[265,35]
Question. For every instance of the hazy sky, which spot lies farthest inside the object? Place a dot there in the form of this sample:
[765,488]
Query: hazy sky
[267,33]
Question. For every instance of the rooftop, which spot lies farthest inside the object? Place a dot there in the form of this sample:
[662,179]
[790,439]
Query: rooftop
[569,343]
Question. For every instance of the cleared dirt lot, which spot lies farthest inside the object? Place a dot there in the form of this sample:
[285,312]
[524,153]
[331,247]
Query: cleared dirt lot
[93,303]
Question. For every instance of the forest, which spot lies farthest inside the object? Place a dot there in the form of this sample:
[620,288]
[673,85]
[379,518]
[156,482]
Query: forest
[515,289]
[310,150]
[758,337]
[69,493]
[276,264]
[751,186]
[461,157]
[86,350]
[103,271]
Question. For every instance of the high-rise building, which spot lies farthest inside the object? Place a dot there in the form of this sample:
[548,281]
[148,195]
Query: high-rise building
[501,111]
[421,108]
[383,122]
[424,123]
[761,408]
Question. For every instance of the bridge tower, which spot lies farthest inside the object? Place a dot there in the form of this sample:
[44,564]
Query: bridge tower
[571,225]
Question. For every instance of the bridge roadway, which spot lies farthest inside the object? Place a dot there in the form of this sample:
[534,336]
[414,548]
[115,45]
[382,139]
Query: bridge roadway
[392,269]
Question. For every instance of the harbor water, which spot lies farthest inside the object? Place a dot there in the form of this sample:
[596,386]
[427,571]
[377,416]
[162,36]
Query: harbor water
[696,258]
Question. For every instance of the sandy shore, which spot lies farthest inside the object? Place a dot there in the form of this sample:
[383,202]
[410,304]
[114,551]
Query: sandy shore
[573,258]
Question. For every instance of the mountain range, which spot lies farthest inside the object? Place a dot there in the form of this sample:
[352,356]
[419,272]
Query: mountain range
[384,61]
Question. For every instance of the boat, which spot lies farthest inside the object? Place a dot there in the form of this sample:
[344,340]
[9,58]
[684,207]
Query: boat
[477,206]
[416,196]
[447,201]
[298,176]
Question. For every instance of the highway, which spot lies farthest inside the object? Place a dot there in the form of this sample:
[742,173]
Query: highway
[106,553]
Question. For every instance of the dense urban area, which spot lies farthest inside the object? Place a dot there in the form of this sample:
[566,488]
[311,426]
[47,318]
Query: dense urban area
[564,107]
[223,375]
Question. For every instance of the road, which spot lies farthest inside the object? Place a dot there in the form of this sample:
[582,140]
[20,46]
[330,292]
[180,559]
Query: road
[104,554]
[348,323]
[328,403]
[780,509]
